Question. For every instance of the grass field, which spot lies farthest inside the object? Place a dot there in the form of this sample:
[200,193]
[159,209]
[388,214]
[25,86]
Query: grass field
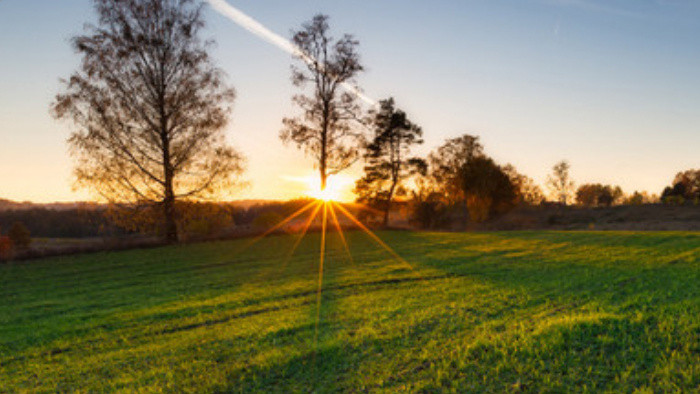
[524,311]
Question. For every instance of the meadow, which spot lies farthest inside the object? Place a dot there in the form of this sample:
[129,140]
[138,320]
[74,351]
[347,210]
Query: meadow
[465,312]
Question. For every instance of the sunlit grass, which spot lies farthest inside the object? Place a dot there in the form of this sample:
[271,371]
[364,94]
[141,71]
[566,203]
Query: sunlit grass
[534,311]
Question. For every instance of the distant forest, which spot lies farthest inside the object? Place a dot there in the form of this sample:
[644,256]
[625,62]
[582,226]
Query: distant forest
[94,220]
[422,209]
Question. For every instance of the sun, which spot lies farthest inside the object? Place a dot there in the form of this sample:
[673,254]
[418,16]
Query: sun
[335,187]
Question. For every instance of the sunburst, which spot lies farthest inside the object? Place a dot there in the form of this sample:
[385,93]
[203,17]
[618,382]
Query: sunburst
[326,207]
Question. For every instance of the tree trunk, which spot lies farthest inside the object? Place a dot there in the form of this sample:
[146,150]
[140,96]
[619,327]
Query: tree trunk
[386,213]
[169,200]
[169,215]
[169,204]
[387,208]
[324,148]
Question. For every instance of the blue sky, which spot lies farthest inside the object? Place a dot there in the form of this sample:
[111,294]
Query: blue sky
[612,86]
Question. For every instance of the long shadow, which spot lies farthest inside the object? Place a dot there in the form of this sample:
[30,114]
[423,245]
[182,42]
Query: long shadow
[64,301]
[587,354]
[579,277]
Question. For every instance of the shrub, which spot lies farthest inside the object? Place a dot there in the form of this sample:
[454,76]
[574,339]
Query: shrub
[487,188]
[19,235]
[427,214]
[5,247]
[267,220]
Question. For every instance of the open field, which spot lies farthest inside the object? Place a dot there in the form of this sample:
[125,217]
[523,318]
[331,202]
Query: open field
[532,311]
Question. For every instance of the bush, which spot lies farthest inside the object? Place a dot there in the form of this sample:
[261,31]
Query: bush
[487,188]
[267,220]
[5,247]
[673,200]
[427,214]
[19,235]
[597,195]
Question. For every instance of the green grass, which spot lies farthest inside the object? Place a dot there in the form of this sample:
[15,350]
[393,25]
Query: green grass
[532,311]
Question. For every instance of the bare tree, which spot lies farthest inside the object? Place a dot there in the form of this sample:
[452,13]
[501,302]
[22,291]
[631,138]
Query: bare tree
[559,182]
[325,130]
[388,160]
[149,108]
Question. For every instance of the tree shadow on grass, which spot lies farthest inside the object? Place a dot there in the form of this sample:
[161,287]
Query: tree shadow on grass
[569,273]
[587,353]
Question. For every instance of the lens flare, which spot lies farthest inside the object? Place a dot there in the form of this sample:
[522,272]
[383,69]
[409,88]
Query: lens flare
[336,187]
[328,209]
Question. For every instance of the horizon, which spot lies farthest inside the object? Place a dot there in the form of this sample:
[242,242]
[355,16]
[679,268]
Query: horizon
[607,86]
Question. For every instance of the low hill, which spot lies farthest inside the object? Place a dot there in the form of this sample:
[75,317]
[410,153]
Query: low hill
[487,312]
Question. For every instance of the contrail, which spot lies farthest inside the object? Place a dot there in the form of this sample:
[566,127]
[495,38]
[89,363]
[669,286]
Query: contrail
[257,28]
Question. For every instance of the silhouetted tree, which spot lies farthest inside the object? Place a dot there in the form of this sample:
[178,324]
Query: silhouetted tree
[636,198]
[150,107]
[427,205]
[686,187]
[595,194]
[610,195]
[559,182]
[387,156]
[639,198]
[487,188]
[525,188]
[447,161]
[76,222]
[326,130]
[19,235]
[587,195]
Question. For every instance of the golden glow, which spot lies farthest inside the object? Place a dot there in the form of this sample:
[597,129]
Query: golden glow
[326,207]
[322,258]
[340,233]
[304,230]
[372,235]
[335,188]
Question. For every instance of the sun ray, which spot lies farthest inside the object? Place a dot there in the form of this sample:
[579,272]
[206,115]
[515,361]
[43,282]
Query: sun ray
[365,207]
[373,236]
[334,217]
[301,236]
[320,271]
[279,225]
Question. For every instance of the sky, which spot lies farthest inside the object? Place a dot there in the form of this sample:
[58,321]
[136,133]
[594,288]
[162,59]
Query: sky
[611,86]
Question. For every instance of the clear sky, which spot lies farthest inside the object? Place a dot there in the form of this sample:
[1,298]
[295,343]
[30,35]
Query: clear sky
[613,86]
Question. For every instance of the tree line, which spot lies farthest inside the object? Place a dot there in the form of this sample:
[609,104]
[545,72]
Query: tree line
[149,107]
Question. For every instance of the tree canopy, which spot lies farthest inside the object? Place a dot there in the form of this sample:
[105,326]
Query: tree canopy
[149,107]
[388,160]
[596,194]
[560,184]
[327,128]
[447,161]
[685,187]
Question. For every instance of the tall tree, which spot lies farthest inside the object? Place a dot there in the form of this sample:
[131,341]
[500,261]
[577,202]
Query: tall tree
[327,127]
[559,182]
[387,156]
[149,108]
